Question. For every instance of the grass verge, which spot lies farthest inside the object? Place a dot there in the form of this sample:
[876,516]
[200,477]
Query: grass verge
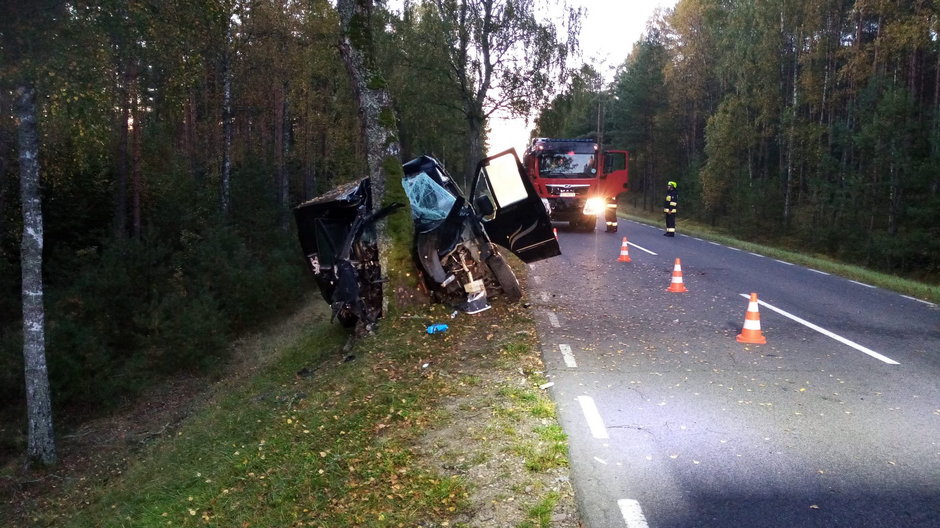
[401,428]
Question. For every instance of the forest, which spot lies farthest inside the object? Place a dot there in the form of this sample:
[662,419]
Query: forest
[174,137]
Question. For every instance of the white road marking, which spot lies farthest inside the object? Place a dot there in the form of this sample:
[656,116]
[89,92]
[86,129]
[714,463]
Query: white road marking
[641,248]
[569,357]
[928,303]
[713,243]
[632,513]
[601,460]
[595,423]
[733,248]
[755,254]
[553,319]
[817,271]
[784,262]
[827,333]
[537,279]
[861,284]
[544,296]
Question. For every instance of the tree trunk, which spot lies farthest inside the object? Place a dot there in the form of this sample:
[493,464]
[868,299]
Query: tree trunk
[137,178]
[376,114]
[225,178]
[40,438]
[122,164]
[475,125]
[280,150]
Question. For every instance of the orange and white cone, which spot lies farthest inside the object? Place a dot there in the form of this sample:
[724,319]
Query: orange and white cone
[676,285]
[751,332]
[624,252]
[555,232]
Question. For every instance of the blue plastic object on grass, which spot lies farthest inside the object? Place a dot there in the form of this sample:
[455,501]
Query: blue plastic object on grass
[437,328]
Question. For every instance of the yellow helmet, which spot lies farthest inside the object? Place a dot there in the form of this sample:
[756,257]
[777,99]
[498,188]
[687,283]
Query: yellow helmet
[673,185]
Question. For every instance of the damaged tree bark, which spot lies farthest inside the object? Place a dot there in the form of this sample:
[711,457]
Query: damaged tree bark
[376,116]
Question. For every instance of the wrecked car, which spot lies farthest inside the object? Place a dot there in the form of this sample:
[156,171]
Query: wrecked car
[456,238]
[338,238]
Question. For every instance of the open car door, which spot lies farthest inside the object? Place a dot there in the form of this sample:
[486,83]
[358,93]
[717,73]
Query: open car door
[513,214]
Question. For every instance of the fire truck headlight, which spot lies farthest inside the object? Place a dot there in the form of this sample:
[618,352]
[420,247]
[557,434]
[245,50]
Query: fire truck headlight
[593,206]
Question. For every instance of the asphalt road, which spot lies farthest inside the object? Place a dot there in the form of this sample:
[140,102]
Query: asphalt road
[672,423]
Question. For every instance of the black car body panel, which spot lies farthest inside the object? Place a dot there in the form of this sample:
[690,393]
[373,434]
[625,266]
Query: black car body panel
[337,235]
[455,238]
[519,222]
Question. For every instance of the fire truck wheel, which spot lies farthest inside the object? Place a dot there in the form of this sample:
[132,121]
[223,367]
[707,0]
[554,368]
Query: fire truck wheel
[505,277]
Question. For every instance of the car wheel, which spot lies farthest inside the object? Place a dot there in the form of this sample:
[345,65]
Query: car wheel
[504,276]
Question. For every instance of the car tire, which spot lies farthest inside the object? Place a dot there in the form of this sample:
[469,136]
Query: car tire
[504,277]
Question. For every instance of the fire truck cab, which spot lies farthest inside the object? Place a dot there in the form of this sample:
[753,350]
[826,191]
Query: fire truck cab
[577,180]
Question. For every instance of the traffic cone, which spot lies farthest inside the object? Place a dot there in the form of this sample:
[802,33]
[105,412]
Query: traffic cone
[555,232]
[624,252]
[751,332]
[676,284]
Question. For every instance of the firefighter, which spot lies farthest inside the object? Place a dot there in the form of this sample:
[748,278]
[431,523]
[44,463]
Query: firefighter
[672,199]
[610,214]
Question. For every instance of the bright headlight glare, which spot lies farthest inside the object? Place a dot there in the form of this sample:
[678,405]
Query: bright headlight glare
[593,206]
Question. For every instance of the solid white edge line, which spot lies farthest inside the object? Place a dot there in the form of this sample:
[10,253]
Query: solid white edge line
[632,513]
[568,356]
[641,248]
[595,423]
[553,320]
[784,262]
[817,271]
[827,333]
[755,254]
[713,243]
[928,303]
[861,283]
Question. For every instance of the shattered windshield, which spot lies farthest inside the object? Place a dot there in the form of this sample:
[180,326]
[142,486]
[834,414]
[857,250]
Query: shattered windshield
[430,202]
[567,165]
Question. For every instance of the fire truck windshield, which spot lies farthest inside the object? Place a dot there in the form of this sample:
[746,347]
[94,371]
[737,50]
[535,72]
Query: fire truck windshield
[567,165]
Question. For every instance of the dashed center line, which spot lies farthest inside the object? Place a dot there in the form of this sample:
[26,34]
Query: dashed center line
[861,283]
[632,513]
[641,248]
[595,423]
[568,356]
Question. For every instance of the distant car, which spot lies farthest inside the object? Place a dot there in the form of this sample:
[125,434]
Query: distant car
[455,239]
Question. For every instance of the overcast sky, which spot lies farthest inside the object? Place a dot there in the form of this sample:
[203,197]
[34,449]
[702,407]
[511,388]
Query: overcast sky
[608,31]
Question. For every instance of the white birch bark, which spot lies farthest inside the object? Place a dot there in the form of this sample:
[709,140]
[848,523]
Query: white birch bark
[40,440]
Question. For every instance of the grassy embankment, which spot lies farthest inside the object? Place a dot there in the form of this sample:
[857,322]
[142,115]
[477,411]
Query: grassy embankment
[400,429]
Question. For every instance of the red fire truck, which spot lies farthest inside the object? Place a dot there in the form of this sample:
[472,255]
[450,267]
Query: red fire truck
[578,180]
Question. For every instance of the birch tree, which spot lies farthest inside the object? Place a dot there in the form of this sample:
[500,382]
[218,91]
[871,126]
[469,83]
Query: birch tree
[40,439]
[376,118]
[502,56]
